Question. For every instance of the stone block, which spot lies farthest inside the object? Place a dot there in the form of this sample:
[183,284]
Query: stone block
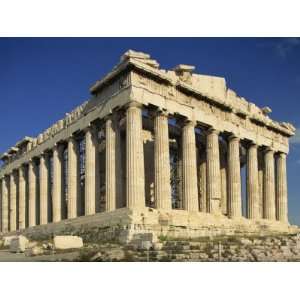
[47,246]
[145,245]
[158,246]
[63,242]
[7,240]
[32,244]
[19,244]
[36,250]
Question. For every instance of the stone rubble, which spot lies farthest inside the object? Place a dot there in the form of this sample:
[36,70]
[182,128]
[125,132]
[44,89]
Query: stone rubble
[18,244]
[64,242]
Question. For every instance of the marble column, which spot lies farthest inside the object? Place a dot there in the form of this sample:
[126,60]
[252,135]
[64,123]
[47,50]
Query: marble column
[252,183]
[281,188]
[13,202]
[57,183]
[4,208]
[189,168]
[22,198]
[179,174]
[135,173]
[90,171]
[44,189]
[73,188]
[213,172]
[261,183]
[162,186]
[202,181]
[120,198]
[110,163]
[32,193]
[223,170]
[234,178]
[269,185]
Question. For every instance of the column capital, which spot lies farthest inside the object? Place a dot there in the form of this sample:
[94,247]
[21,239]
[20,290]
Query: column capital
[233,137]
[133,104]
[269,149]
[44,155]
[109,116]
[186,122]
[70,138]
[158,111]
[282,154]
[212,130]
[252,144]
[91,128]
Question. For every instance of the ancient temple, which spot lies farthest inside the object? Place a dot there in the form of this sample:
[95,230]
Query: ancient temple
[153,150]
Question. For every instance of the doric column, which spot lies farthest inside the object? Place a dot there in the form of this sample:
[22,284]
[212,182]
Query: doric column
[135,173]
[202,181]
[120,198]
[4,208]
[213,172]
[269,185]
[179,174]
[44,189]
[13,202]
[261,183]
[110,163]
[162,162]
[234,178]
[73,189]
[281,188]
[32,193]
[22,197]
[57,183]
[252,183]
[223,170]
[90,171]
[189,168]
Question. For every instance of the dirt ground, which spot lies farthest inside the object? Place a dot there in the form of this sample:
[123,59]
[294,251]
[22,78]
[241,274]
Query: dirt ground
[6,256]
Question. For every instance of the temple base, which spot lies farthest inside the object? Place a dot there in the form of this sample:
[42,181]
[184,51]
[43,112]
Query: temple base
[125,225]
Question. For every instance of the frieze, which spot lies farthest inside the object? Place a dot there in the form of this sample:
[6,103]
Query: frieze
[239,117]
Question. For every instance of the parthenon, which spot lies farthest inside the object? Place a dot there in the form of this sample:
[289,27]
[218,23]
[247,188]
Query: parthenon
[153,150]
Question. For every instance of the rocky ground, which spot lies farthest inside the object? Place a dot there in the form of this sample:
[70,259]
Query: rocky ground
[227,249]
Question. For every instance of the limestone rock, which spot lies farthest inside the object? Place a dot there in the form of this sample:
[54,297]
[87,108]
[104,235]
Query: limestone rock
[36,250]
[158,246]
[62,242]
[32,244]
[19,244]
[97,257]
[7,240]
[47,246]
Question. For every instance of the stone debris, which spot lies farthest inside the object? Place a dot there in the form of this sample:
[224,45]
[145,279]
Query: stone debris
[34,251]
[19,244]
[63,242]
[48,246]
[7,240]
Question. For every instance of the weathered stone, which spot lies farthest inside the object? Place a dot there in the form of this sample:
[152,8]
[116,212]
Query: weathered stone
[48,246]
[19,244]
[34,251]
[67,242]
[128,117]
[158,246]
[32,244]
[7,240]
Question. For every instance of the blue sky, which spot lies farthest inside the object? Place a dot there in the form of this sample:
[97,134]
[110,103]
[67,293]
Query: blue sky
[43,78]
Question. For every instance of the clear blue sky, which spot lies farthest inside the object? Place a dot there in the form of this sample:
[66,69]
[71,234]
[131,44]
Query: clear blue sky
[43,78]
